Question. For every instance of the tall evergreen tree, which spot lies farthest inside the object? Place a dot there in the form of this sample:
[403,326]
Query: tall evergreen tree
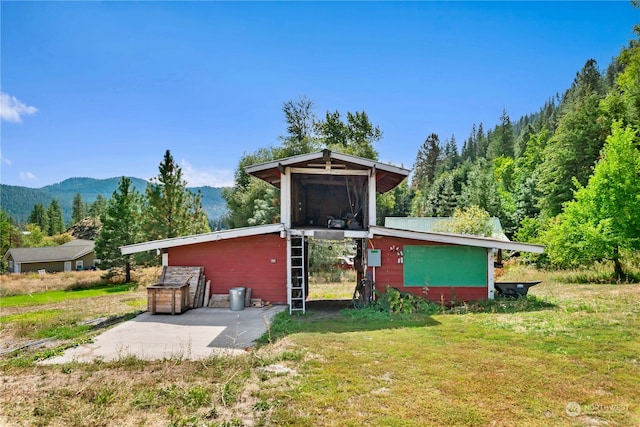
[121,223]
[482,143]
[588,81]
[481,189]
[427,160]
[55,224]
[575,146]
[38,216]
[469,148]
[502,138]
[450,157]
[78,211]
[171,210]
[441,200]
[98,207]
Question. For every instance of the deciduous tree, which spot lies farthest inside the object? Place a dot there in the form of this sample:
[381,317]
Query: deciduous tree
[252,201]
[356,136]
[602,222]
[471,220]
[301,120]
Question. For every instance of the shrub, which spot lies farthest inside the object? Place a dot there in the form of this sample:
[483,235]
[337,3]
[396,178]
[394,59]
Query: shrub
[395,301]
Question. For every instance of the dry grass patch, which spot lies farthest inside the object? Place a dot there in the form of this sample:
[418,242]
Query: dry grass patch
[29,283]
[218,391]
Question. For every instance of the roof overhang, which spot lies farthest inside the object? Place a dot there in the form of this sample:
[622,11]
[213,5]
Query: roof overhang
[456,239]
[387,176]
[201,238]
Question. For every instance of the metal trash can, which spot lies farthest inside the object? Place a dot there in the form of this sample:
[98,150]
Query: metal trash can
[236,299]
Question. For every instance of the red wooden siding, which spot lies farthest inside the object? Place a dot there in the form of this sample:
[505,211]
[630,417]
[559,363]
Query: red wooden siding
[391,273]
[256,262]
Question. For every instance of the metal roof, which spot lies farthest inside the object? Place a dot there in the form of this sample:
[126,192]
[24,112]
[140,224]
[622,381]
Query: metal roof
[202,238]
[68,252]
[436,223]
[387,176]
[456,239]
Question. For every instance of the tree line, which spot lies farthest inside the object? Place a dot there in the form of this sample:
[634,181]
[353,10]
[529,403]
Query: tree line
[50,221]
[166,209]
[566,176]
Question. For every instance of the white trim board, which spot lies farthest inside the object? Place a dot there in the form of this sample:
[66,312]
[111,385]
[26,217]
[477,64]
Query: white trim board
[456,239]
[201,238]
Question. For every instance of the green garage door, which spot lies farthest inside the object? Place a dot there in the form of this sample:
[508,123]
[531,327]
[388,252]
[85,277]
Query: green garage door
[445,266]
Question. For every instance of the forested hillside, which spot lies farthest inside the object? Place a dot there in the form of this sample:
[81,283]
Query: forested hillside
[553,176]
[567,176]
[18,201]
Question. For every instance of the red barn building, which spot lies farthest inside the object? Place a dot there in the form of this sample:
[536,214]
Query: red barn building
[332,196]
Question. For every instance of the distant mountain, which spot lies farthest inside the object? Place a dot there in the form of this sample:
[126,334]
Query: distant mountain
[18,201]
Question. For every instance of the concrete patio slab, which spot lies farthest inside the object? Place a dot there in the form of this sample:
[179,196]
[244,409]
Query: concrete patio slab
[192,335]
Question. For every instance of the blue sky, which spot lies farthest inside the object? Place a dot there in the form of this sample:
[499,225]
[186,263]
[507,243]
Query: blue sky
[102,89]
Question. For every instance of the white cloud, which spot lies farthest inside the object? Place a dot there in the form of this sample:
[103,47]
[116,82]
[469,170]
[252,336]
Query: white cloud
[27,176]
[11,109]
[198,178]
[4,160]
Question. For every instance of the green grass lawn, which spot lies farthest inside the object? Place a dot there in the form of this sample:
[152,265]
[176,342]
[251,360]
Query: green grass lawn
[59,314]
[50,297]
[567,356]
[504,368]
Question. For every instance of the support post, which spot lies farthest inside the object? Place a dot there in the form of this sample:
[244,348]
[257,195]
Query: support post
[372,199]
[285,198]
[289,269]
[490,276]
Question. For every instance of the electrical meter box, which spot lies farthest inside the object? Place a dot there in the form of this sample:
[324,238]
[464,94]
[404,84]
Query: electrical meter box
[374,257]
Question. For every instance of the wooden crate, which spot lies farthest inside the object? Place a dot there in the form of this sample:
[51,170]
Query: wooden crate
[193,276]
[167,298]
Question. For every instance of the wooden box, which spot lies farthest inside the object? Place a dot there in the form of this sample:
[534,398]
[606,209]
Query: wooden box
[163,298]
